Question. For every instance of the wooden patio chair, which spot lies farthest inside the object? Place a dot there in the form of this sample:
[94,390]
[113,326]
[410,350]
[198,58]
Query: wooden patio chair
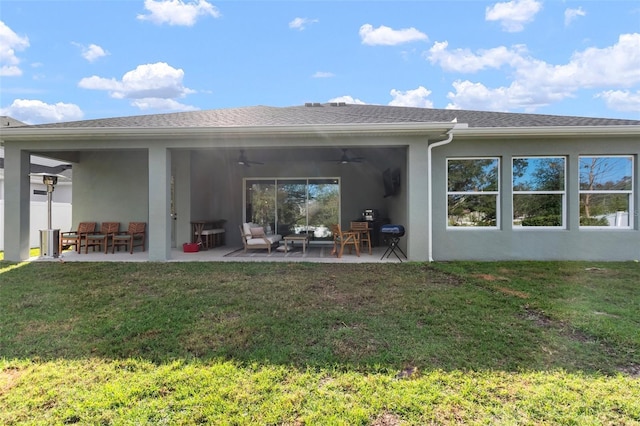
[133,237]
[365,233]
[101,239]
[74,238]
[344,238]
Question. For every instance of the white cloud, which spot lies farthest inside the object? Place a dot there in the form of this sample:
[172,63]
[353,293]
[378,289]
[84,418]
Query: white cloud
[301,23]
[386,36]
[613,66]
[33,111]
[323,74]
[514,14]
[10,42]
[411,98]
[149,82]
[537,83]
[177,12]
[347,99]
[470,95]
[571,15]
[463,60]
[621,100]
[92,53]
[162,104]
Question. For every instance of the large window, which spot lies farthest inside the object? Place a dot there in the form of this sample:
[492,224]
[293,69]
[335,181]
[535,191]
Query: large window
[539,191]
[606,189]
[472,192]
[294,206]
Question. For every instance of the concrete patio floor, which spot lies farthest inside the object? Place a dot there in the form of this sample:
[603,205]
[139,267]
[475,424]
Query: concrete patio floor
[216,254]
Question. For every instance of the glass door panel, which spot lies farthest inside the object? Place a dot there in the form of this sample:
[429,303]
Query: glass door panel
[323,207]
[261,203]
[292,206]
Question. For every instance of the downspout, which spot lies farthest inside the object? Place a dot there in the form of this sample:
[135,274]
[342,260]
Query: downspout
[430,186]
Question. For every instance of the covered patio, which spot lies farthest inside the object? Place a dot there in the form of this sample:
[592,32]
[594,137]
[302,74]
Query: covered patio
[169,174]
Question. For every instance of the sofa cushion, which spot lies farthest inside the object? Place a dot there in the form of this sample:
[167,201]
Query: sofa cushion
[273,238]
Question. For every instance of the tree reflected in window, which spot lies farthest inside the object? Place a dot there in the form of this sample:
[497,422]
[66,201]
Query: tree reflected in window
[606,190]
[472,196]
[539,191]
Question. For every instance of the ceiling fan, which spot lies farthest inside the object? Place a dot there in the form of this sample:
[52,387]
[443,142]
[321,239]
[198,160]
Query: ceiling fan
[243,161]
[346,159]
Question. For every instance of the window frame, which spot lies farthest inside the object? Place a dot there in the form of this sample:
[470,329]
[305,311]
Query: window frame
[496,194]
[629,192]
[562,193]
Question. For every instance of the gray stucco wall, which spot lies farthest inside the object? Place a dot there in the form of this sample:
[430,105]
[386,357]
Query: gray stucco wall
[111,186]
[507,243]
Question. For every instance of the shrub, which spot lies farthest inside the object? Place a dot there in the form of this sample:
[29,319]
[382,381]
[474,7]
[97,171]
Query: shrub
[551,220]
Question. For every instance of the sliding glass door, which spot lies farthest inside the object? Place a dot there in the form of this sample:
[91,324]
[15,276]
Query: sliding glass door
[294,206]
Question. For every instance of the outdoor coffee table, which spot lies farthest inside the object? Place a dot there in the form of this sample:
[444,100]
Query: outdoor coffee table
[303,238]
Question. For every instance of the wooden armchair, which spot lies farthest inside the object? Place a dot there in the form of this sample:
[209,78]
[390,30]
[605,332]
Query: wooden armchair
[101,239]
[74,238]
[133,237]
[344,238]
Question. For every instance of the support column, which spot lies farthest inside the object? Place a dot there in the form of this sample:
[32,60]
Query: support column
[159,229]
[418,201]
[16,204]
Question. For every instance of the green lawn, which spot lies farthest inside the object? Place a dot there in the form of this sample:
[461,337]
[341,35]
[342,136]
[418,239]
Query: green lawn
[303,343]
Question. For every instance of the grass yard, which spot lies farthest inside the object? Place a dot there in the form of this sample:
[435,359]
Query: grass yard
[303,343]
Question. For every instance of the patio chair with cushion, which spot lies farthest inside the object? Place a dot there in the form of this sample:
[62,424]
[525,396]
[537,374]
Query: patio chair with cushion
[74,238]
[255,237]
[102,239]
[344,238]
[133,237]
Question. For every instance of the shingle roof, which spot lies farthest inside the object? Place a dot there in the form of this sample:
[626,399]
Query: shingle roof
[6,121]
[336,114]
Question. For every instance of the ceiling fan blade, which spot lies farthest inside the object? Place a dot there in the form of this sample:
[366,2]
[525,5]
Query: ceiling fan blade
[346,159]
[244,161]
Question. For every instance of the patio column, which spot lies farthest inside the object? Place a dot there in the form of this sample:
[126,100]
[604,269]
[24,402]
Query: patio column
[417,201]
[16,204]
[159,230]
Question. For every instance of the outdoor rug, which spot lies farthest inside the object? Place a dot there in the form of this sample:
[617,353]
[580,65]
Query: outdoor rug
[296,252]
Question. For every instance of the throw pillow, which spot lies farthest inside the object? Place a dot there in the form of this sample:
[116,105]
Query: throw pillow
[257,232]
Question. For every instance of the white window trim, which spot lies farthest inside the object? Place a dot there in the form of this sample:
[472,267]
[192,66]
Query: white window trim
[496,193]
[563,192]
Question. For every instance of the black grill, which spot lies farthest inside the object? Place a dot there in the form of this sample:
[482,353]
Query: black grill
[392,234]
[396,230]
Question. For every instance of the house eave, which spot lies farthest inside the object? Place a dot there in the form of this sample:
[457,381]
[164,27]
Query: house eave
[545,131]
[70,133]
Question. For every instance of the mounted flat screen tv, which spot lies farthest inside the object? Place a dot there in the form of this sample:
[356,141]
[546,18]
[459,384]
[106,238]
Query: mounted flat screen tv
[391,182]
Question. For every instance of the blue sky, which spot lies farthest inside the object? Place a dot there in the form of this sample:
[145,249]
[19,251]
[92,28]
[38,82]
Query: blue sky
[74,60]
